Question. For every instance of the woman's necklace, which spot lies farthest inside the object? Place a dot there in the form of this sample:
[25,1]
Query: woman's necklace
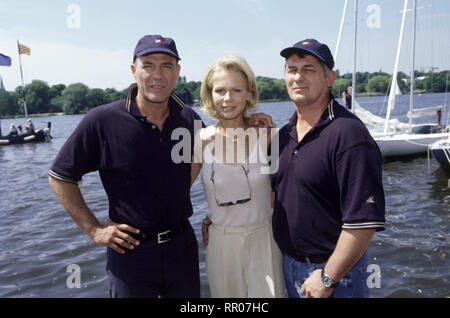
[237,132]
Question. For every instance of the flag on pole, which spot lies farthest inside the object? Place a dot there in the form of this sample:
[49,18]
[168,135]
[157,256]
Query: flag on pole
[5,60]
[24,49]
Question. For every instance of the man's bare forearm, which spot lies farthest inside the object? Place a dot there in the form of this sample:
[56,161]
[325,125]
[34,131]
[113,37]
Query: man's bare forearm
[350,247]
[72,200]
[110,234]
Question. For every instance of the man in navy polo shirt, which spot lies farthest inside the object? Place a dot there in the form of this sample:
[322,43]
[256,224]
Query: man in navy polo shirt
[329,192]
[152,249]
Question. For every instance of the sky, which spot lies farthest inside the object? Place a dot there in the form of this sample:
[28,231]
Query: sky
[93,41]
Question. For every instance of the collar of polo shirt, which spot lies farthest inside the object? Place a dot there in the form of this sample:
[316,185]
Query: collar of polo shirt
[326,117]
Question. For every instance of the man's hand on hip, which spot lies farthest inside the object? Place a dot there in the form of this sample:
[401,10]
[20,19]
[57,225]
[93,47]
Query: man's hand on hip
[112,235]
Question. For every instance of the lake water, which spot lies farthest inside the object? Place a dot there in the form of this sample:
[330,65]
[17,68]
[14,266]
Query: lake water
[40,240]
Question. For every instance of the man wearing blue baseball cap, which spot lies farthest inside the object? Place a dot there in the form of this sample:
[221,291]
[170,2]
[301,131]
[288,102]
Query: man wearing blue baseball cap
[329,193]
[152,249]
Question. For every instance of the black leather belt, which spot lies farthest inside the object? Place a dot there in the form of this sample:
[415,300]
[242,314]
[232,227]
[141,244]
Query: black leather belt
[164,236]
[311,259]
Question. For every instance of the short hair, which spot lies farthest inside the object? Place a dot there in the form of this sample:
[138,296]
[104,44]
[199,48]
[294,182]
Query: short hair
[302,54]
[234,63]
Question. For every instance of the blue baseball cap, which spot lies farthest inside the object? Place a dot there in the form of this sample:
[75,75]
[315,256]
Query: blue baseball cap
[156,44]
[313,47]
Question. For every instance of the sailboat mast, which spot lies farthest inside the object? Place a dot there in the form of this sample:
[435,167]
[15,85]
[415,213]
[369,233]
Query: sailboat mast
[23,85]
[355,14]
[446,105]
[391,101]
[411,94]
[336,52]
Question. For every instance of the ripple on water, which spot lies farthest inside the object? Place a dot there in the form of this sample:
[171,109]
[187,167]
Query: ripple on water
[39,239]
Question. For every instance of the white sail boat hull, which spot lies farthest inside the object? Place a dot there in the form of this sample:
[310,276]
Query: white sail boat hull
[440,151]
[393,137]
[406,144]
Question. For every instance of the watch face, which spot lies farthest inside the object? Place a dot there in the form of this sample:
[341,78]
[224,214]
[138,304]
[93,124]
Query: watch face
[327,281]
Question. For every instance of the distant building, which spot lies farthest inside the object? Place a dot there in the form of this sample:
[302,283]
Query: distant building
[2,87]
[407,81]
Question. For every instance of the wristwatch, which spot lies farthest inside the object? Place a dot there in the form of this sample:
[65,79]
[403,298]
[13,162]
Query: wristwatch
[327,281]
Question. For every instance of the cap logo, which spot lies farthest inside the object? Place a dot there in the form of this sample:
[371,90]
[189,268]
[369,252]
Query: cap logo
[159,41]
[307,43]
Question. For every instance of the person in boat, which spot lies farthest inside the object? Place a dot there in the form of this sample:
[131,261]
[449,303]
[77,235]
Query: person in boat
[152,250]
[329,191]
[13,130]
[347,97]
[242,258]
[30,127]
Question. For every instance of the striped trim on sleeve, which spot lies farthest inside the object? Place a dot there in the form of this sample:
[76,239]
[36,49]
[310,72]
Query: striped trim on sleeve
[365,225]
[57,176]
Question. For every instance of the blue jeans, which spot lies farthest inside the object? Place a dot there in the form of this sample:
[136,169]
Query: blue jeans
[354,284]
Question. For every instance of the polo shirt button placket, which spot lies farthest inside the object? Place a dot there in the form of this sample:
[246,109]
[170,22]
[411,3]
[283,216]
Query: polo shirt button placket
[154,128]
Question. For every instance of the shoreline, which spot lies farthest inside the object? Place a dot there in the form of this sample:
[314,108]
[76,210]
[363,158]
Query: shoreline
[416,92]
[33,115]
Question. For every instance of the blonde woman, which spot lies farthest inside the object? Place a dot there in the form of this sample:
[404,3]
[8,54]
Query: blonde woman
[242,258]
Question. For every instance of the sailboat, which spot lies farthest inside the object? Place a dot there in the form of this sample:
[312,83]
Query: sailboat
[440,150]
[418,137]
[393,137]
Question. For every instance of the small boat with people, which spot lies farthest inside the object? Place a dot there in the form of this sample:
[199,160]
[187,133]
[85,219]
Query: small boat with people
[31,135]
[15,135]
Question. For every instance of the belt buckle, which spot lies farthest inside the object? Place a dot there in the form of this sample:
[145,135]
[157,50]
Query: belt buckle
[160,241]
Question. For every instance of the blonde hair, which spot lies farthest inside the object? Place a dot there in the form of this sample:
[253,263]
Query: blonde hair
[235,63]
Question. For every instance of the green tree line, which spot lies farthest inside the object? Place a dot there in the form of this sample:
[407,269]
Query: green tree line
[269,89]
[77,98]
[378,83]
[42,98]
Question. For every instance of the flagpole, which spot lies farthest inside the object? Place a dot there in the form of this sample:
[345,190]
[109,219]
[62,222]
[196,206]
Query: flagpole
[23,85]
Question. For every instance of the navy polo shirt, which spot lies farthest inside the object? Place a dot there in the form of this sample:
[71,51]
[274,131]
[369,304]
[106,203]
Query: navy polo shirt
[330,181]
[146,188]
